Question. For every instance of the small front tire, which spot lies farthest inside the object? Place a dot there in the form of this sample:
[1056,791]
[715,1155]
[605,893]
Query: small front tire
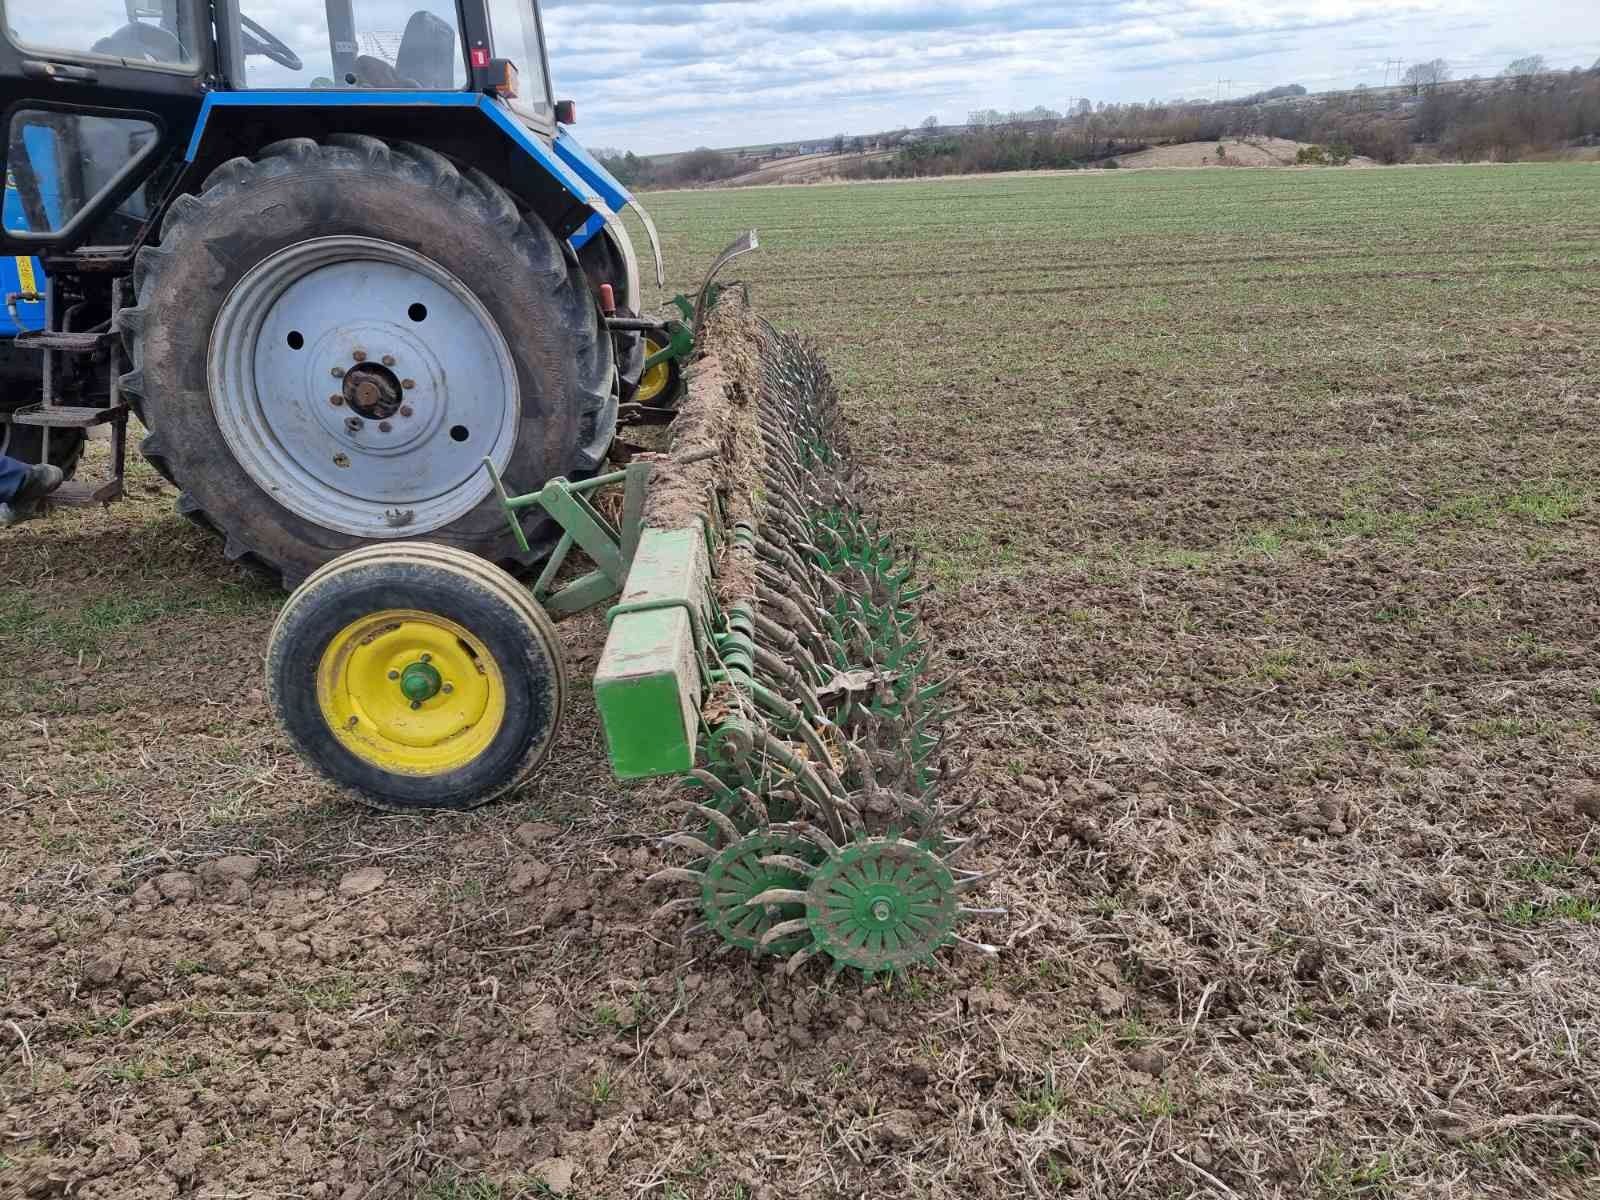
[416,676]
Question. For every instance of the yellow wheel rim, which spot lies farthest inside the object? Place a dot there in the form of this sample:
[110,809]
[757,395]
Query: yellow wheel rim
[653,383]
[412,693]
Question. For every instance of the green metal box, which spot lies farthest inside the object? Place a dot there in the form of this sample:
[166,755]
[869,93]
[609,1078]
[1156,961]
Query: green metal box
[647,687]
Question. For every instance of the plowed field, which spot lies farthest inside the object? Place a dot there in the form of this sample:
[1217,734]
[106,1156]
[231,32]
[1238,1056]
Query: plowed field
[1262,511]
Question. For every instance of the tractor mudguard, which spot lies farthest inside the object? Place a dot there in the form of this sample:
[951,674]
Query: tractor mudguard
[566,204]
[582,199]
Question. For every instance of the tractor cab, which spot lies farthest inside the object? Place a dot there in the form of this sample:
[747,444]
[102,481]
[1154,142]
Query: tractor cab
[334,256]
[101,99]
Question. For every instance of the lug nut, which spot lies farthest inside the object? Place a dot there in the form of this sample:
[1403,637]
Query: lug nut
[360,356]
[427,658]
[384,427]
[394,674]
[336,400]
[416,704]
[341,460]
[338,372]
[353,424]
[405,410]
[408,384]
[449,687]
[388,360]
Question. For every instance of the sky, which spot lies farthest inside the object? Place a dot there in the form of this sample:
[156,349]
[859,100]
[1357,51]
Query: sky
[662,75]
[658,75]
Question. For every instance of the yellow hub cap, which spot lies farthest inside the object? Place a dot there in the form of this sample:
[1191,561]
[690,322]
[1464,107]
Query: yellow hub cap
[412,693]
[654,381]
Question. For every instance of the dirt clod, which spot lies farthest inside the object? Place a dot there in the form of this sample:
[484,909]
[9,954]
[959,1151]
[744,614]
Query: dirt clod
[241,867]
[177,886]
[525,875]
[363,882]
[1586,800]
[556,1174]
[103,968]
[898,1128]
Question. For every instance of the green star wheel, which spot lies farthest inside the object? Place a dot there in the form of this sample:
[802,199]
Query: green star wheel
[737,875]
[882,904]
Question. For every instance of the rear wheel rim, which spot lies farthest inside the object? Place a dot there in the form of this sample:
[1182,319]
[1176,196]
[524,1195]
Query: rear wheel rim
[361,385]
[411,693]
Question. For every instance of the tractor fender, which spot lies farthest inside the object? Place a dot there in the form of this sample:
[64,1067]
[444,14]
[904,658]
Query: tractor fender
[476,129]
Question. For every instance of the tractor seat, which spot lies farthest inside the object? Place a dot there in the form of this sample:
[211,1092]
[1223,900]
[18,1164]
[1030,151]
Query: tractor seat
[375,73]
[429,52]
[142,43]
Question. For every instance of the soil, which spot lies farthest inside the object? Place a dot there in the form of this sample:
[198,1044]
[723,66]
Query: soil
[716,417]
[1252,152]
[1269,605]
[804,168]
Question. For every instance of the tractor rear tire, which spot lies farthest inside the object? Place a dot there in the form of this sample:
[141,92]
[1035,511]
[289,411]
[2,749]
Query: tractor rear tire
[357,639]
[269,317]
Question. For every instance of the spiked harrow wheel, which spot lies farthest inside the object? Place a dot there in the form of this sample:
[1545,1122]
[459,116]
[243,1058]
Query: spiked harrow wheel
[736,885]
[882,905]
[820,736]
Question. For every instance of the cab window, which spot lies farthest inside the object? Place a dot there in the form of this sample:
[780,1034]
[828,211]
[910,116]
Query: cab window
[398,45]
[142,32]
[514,26]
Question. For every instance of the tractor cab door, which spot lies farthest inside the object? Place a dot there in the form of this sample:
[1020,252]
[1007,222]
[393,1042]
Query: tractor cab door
[97,99]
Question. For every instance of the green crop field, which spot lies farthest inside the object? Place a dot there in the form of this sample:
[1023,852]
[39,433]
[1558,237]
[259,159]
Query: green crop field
[1263,514]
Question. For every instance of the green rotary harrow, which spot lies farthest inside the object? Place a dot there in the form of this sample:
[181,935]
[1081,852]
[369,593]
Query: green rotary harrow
[764,647]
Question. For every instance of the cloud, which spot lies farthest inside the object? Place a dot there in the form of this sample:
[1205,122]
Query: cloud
[657,75]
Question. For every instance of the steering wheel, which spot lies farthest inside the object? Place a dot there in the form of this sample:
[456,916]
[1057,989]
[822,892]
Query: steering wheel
[256,40]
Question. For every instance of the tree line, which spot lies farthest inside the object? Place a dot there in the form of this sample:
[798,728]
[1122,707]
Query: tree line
[1529,111]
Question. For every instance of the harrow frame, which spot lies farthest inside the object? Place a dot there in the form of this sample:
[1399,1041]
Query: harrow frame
[762,647]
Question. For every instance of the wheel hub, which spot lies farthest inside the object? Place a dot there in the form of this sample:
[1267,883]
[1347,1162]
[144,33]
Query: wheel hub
[421,682]
[373,391]
[362,385]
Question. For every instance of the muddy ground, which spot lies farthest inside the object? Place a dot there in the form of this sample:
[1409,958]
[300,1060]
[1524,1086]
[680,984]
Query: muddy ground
[1262,509]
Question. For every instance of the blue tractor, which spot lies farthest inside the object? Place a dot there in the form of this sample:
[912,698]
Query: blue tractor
[333,255]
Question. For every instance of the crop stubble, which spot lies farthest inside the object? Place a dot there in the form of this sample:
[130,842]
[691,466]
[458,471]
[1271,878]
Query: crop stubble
[1262,511]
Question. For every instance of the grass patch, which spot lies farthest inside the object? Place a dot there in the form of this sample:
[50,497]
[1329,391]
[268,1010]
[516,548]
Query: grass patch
[1527,913]
[87,629]
[1544,870]
[1550,507]
[1038,1105]
[331,995]
[1340,1177]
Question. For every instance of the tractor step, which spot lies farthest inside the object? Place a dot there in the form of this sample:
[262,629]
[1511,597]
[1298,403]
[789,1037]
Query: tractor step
[86,495]
[65,417]
[72,343]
